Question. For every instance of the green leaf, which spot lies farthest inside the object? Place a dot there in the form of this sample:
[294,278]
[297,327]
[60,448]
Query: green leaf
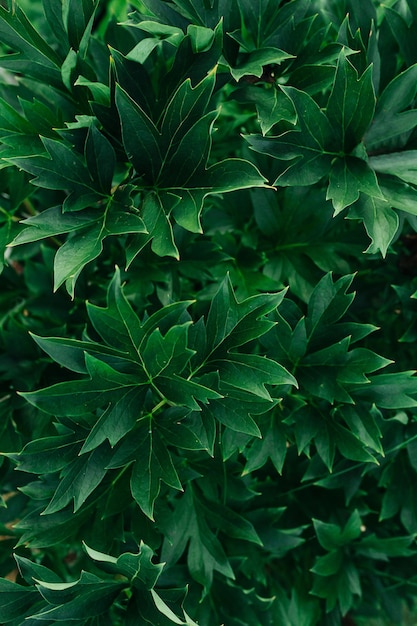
[141,138]
[75,398]
[32,53]
[404,30]
[272,105]
[399,94]
[390,131]
[251,373]
[350,445]
[272,445]
[185,392]
[79,479]
[253,63]
[328,303]
[153,464]
[90,596]
[118,325]
[116,421]
[365,424]
[332,537]
[100,159]
[15,600]
[304,154]
[380,389]
[205,552]
[76,17]
[186,159]
[46,455]
[169,353]
[229,522]
[380,220]
[329,564]
[351,104]
[227,412]
[158,227]
[52,222]
[399,195]
[348,177]
[62,169]
[340,587]
[382,549]
[84,246]
[202,38]
[186,106]
[30,571]
[140,566]
[400,164]
[234,323]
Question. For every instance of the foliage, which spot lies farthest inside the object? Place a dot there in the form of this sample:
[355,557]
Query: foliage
[208,392]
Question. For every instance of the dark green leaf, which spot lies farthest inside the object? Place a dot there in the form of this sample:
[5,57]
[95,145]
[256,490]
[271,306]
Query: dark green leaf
[351,104]
[348,178]
[380,221]
[88,597]
[304,154]
[153,464]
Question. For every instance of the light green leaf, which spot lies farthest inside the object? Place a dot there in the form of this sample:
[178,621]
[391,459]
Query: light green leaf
[401,164]
[399,195]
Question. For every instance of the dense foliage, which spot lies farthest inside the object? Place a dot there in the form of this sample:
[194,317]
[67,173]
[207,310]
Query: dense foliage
[207,311]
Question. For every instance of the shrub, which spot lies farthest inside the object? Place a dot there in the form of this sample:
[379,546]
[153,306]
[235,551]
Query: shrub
[201,421]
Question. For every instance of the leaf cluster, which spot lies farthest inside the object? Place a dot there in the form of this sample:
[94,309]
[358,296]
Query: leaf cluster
[207,370]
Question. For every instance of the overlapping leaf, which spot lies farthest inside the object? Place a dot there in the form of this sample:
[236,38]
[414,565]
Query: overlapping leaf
[141,369]
[92,597]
